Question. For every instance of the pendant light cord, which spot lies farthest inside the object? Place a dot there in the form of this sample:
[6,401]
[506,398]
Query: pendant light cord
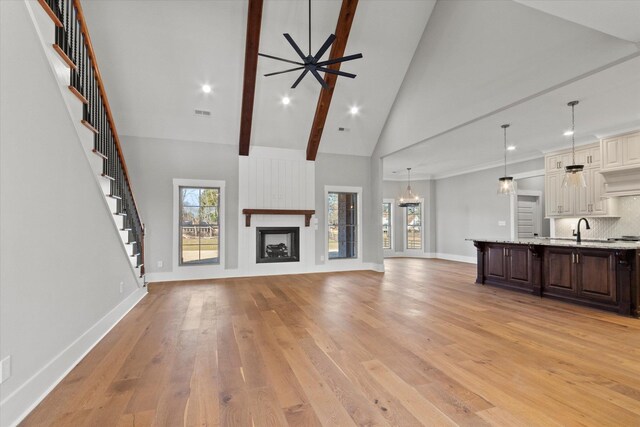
[505,150]
[504,127]
[573,133]
[309,27]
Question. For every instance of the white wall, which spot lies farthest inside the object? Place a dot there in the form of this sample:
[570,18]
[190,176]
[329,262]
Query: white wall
[153,165]
[61,258]
[468,206]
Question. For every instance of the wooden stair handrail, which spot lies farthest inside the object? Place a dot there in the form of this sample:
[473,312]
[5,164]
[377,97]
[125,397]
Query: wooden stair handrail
[94,62]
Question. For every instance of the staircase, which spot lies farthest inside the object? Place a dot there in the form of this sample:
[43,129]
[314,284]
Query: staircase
[63,31]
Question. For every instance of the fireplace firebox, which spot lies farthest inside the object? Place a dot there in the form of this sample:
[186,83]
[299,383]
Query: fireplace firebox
[277,244]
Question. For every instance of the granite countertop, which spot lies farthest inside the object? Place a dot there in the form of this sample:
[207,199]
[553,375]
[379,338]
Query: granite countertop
[546,241]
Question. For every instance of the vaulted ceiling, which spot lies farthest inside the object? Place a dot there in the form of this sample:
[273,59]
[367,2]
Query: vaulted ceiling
[155,55]
[435,83]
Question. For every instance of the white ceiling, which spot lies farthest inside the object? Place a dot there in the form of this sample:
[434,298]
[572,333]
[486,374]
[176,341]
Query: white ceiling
[609,104]
[484,63]
[155,55]
[619,18]
[430,98]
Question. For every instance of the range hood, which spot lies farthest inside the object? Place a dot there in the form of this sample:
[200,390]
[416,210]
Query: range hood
[622,181]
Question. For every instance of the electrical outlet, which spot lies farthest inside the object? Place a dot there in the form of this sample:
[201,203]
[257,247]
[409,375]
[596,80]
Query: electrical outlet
[322,258]
[5,369]
[502,223]
[160,264]
[121,287]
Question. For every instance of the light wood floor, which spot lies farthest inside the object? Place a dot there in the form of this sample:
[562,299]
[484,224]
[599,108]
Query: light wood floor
[420,344]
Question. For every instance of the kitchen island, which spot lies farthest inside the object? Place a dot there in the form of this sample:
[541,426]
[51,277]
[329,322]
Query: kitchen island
[600,274]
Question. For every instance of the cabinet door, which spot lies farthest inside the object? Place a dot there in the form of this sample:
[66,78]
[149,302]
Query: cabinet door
[518,266]
[611,153]
[495,265]
[599,206]
[552,201]
[593,160]
[597,275]
[557,162]
[559,271]
[584,196]
[631,149]
[559,200]
[582,157]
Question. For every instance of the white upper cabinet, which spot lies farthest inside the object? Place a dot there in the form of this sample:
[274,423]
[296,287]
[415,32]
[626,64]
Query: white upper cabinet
[631,149]
[611,149]
[589,201]
[620,151]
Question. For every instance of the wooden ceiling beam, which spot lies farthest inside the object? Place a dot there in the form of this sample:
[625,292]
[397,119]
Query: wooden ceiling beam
[343,28]
[254,22]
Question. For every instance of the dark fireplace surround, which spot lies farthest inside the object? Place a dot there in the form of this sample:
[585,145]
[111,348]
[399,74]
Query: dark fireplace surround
[277,244]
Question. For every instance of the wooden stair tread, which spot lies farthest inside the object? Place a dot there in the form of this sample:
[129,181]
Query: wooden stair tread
[64,57]
[99,154]
[78,95]
[89,126]
[51,13]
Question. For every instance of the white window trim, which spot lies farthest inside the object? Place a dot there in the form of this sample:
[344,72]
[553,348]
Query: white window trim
[177,183]
[342,189]
[404,232]
[391,227]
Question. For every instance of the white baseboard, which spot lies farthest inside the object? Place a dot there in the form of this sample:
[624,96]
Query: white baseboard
[459,258]
[15,407]
[171,276]
[410,255]
[448,257]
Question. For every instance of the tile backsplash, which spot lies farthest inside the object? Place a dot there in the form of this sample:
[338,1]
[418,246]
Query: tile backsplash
[602,228]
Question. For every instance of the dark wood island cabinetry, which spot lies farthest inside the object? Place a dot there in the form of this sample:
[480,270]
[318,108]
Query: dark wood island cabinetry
[599,275]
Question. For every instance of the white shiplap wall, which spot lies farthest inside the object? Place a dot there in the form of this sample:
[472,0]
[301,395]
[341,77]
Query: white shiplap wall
[278,183]
[274,178]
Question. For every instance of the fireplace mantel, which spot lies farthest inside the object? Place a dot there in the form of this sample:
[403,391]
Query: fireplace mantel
[248,212]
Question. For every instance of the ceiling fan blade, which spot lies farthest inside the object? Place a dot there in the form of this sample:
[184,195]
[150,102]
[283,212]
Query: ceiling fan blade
[304,73]
[280,59]
[324,47]
[285,71]
[319,78]
[336,72]
[295,46]
[338,60]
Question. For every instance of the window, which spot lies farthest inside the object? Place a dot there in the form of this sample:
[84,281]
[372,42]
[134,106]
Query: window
[386,225]
[199,225]
[414,227]
[342,221]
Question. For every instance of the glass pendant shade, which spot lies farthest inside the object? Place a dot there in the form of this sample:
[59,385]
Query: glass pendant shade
[407,198]
[574,173]
[574,177]
[505,185]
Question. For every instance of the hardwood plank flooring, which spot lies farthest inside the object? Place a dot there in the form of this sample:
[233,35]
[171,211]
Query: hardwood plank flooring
[419,345]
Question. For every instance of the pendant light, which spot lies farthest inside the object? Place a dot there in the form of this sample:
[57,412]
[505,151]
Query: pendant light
[505,183]
[574,174]
[407,198]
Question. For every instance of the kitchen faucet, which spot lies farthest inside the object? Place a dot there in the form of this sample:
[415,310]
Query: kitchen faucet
[577,233]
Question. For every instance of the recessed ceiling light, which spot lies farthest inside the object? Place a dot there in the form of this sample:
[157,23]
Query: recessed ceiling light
[206,88]
[354,110]
[286,100]
[511,147]
[568,133]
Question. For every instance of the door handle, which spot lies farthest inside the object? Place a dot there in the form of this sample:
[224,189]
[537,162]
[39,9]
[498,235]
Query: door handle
[573,258]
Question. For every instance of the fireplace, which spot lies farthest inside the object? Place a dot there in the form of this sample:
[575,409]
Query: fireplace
[277,244]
